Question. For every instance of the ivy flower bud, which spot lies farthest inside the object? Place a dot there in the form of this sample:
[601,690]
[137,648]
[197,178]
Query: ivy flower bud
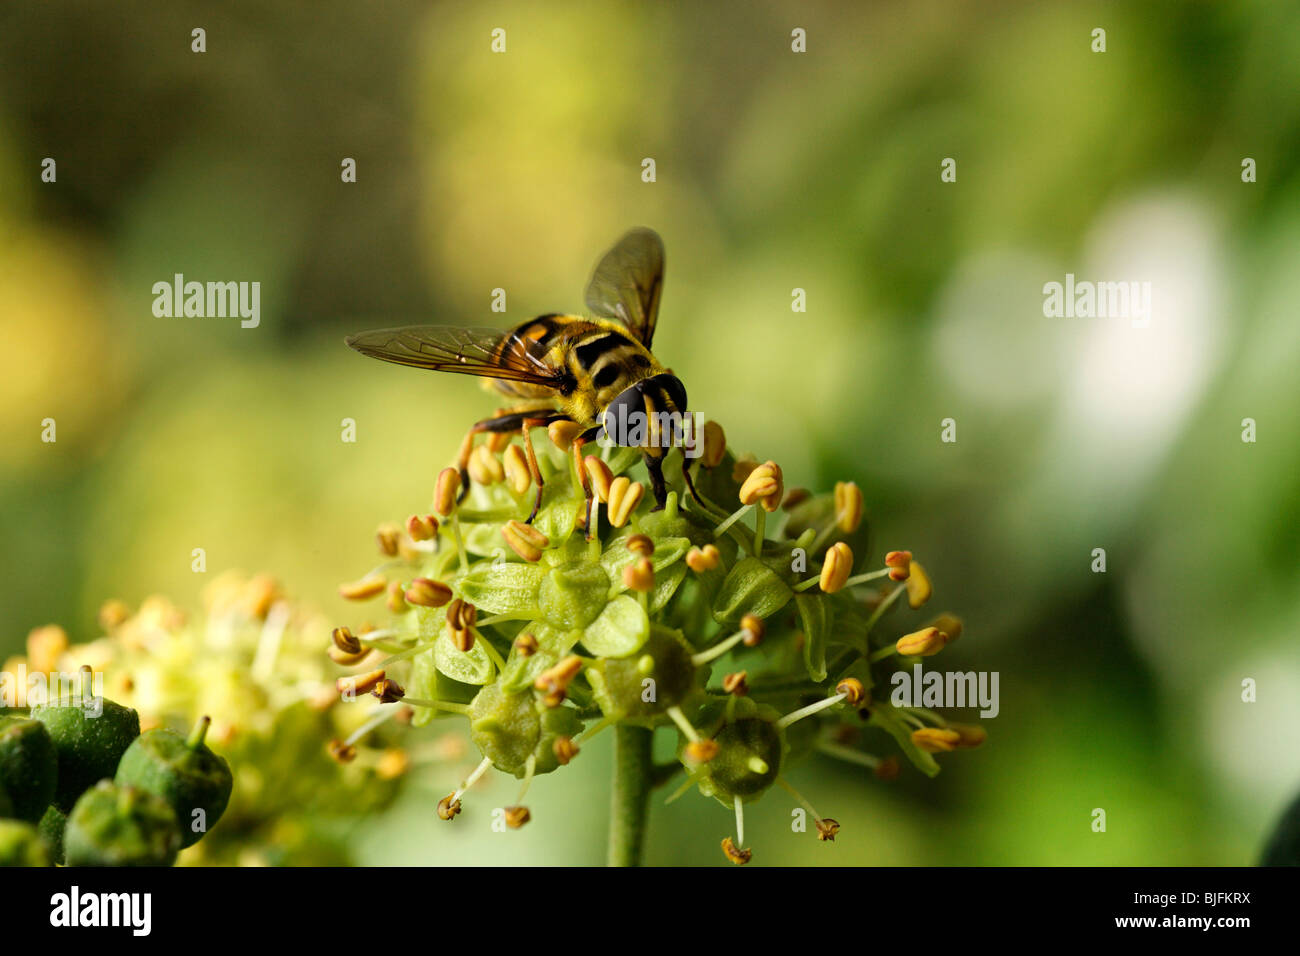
[427,592]
[735,855]
[848,506]
[899,563]
[422,527]
[364,589]
[445,491]
[936,740]
[387,536]
[525,540]
[515,465]
[703,559]
[448,807]
[837,567]
[640,576]
[715,445]
[600,475]
[923,643]
[562,433]
[918,586]
[624,496]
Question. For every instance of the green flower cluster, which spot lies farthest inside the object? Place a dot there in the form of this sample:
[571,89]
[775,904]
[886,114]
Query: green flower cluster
[251,660]
[753,645]
[87,788]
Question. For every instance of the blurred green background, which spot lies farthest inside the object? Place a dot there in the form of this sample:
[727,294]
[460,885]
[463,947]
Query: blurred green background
[775,170]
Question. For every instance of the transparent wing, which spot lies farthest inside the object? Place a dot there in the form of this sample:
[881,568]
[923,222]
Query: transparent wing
[492,353]
[628,281]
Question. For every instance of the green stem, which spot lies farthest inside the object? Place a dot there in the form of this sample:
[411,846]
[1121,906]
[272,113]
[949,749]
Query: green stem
[632,773]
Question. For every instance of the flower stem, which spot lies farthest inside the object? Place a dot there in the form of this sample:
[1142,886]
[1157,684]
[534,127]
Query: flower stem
[632,783]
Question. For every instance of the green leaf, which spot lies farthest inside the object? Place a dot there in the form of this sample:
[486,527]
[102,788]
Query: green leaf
[621,629]
[815,619]
[507,587]
[423,683]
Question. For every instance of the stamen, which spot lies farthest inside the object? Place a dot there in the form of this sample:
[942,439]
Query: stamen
[682,723]
[808,711]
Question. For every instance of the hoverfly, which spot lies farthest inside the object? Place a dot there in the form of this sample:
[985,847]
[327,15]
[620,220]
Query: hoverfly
[563,368]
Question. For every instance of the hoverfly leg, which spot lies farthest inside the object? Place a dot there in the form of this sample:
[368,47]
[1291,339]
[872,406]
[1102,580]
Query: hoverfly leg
[527,428]
[654,465]
[690,482]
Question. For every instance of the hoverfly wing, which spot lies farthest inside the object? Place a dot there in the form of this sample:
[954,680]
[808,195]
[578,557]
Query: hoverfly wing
[628,282]
[491,353]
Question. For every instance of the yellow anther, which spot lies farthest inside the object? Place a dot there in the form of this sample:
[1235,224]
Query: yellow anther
[515,465]
[640,576]
[600,475]
[936,740]
[703,559]
[624,496]
[918,586]
[525,540]
[562,433]
[364,589]
[898,563]
[427,592]
[848,506]
[359,684]
[837,567]
[926,642]
[422,527]
[715,445]
[445,491]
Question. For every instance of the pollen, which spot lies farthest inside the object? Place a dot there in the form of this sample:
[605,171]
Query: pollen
[703,559]
[624,496]
[601,477]
[387,537]
[640,576]
[563,432]
[484,467]
[899,564]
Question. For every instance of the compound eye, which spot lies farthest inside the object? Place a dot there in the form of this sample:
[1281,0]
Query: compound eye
[622,411]
[674,389]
